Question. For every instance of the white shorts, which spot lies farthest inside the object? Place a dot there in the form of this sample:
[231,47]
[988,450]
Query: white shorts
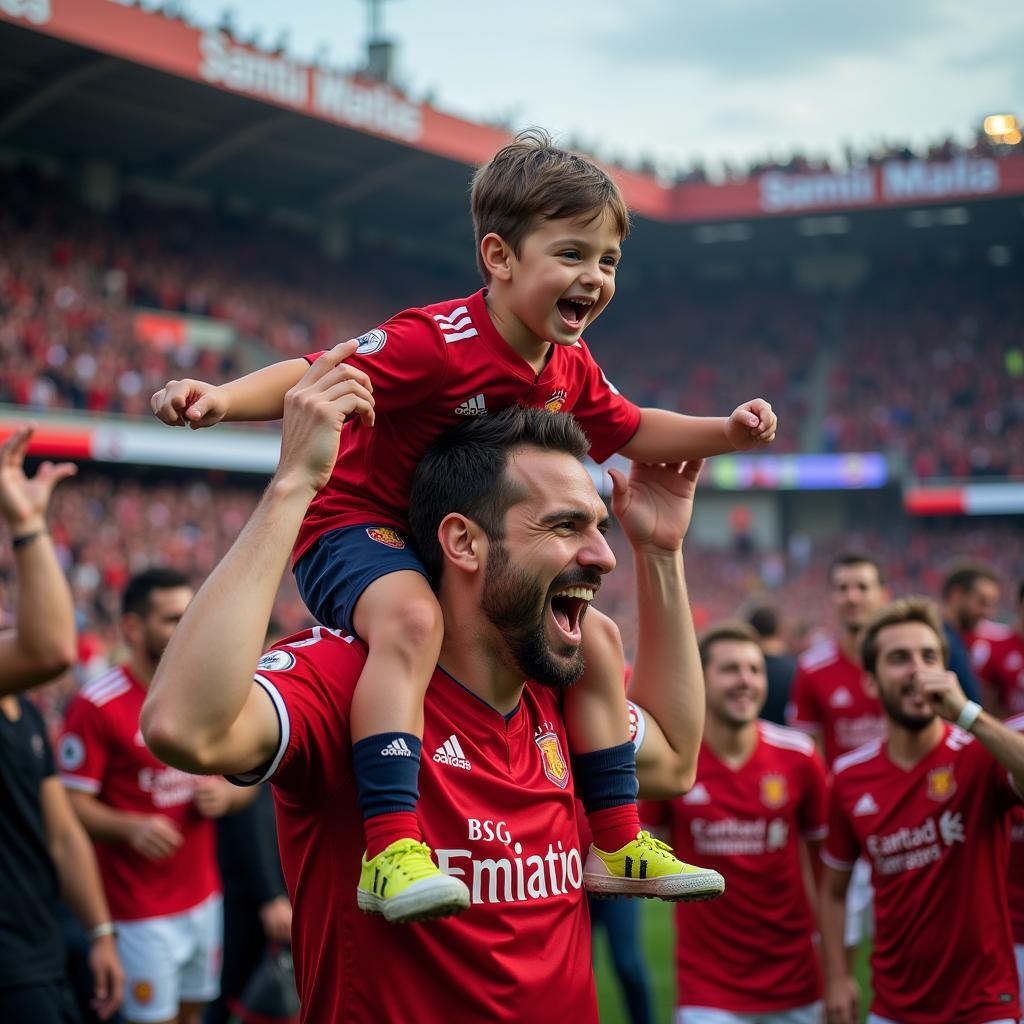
[860,906]
[813,1013]
[873,1018]
[171,960]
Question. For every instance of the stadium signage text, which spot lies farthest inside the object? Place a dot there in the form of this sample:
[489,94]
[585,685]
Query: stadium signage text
[894,181]
[324,93]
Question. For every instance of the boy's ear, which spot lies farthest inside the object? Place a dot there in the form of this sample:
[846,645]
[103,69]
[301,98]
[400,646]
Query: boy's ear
[496,255]
[462,542]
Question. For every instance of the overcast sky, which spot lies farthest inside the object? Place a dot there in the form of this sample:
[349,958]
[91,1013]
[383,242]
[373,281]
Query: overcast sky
[683,80]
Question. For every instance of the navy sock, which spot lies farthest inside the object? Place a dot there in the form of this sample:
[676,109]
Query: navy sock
[606,778]
[387,769]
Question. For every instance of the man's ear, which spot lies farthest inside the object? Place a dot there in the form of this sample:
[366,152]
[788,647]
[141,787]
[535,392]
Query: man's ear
[462,542]
[497,256]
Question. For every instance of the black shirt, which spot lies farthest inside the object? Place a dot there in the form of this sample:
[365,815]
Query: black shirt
[780,669]
[31,949]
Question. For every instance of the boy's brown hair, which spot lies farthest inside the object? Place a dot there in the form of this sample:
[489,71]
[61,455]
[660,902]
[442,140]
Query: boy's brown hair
[907,609]
[729,630]
[531,178]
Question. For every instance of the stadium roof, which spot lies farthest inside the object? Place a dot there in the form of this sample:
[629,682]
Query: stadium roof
[163,100]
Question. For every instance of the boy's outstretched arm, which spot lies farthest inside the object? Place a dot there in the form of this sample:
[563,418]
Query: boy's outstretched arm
[256,396]
[665,436]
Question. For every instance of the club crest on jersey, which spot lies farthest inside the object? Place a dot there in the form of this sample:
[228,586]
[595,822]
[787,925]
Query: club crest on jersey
[142,992]
[371,342]
[774,791]
[276,661]
[386,536]
[557,400]
[941,783]
[552,760]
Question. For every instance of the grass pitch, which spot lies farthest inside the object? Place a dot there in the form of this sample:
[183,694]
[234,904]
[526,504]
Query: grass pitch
[659,937]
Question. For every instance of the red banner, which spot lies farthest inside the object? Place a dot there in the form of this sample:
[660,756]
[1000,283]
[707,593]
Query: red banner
[118,28]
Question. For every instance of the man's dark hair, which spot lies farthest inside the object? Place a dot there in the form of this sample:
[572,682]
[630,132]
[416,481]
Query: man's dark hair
[906,609]
[764,620]
[463,471]
[964,575]
[137,594]
[730,630]
[1020,593]
[856,558]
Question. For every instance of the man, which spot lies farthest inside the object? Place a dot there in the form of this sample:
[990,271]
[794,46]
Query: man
[998,656]
[508,522]
[930,806]
[756,812]
[43,848]
[831,701]
[152,824]
[779,663]
[970,596]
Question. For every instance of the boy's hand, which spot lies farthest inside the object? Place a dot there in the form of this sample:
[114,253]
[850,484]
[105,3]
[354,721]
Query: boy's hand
[190,403]
[655,505]
[751,425]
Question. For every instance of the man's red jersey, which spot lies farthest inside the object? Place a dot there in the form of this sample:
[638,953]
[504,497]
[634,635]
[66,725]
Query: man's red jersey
[431,368]
[1015,877]
[998,658]
[752,950]
[101,751]
[937,838]
[497,806]
[828,699]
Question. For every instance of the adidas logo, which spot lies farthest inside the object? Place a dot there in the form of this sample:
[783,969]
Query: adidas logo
[475,406]
[840,698]
[456,325]
[450,752]
[397,748]
[864,806]
[698,795]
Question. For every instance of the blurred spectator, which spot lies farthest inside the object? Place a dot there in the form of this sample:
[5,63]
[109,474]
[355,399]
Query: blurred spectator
[779,663]
[970,594]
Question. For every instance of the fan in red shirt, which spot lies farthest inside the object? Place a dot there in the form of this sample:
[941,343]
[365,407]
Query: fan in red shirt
[155,840]
[930,805]
[998,657]
[505,516]
[760,796]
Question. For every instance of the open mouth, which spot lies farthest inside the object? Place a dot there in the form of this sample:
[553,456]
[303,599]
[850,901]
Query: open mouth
[568,607]
[574,311]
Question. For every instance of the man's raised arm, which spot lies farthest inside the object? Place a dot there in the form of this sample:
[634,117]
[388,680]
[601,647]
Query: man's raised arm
[654,508]
[203,713]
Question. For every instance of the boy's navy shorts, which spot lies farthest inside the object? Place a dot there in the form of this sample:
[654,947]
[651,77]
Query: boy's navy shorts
[333,574]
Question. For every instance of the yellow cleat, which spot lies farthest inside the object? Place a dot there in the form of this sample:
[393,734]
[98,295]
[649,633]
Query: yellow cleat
[404,884]
[647,867]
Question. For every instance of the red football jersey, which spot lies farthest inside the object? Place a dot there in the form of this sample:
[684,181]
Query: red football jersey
[999,660]
[937,838]
[1015,877]
[101,751]
[752,950]
[431,368]
[497,806]
[828,699]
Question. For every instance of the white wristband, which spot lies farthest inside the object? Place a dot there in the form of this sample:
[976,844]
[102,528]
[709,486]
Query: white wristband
[969,715]
[107,928]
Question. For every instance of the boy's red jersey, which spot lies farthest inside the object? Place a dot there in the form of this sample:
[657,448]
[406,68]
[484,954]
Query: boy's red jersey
[431,368]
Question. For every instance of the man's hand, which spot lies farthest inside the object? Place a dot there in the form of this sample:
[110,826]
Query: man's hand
[943,692]
[214,797]
[190,403]
[108,977]
[751,425]
[23,502]
[315,411]
[276,918]
[156,837]
[842,1000]
[655,504]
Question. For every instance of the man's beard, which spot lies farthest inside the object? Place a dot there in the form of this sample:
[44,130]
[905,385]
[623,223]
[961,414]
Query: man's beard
[516,605]
[154,651]
[912,723]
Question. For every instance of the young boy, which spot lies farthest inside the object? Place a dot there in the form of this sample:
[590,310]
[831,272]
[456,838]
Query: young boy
[549,225]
